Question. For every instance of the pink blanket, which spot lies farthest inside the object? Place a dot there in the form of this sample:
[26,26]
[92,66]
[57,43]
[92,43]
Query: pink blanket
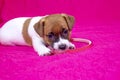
[97,20]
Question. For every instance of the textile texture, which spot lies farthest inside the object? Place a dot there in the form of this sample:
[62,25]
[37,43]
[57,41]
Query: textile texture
[97,20]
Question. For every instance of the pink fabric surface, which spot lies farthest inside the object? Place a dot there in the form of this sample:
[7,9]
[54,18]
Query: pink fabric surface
[97,20]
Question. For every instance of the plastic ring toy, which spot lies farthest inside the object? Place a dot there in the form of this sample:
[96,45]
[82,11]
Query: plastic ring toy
[89,44]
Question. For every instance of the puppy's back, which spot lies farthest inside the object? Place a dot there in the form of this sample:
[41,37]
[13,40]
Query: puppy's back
[11,32]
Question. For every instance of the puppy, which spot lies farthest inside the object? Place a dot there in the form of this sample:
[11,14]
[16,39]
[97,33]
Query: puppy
[42,31]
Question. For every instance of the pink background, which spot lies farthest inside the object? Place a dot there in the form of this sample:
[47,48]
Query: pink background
[97,20]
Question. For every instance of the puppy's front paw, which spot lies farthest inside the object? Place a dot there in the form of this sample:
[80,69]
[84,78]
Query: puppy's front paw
[72,46]
[44,52]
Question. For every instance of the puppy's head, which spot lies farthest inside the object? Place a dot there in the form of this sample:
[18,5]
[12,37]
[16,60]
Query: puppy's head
[55,30]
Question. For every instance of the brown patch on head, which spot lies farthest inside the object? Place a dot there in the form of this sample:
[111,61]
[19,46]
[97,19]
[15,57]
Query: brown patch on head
[25,32]
[39,27]
[56,29]
[69,20]
[53,23]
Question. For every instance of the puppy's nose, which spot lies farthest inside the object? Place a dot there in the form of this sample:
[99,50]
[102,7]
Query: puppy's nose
[62,46]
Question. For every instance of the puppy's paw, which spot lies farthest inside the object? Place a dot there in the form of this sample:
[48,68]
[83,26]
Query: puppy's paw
[71,46]
[44,52]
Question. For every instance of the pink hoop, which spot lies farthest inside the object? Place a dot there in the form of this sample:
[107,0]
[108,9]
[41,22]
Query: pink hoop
[89,44]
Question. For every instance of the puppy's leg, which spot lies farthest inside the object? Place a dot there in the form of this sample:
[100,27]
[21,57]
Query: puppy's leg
[39,47]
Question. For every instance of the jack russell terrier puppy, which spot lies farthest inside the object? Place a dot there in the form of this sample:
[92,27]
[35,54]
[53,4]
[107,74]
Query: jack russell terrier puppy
[51,30]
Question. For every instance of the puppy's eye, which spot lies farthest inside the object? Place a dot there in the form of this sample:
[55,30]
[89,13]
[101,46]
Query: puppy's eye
[50,35]
[65,31]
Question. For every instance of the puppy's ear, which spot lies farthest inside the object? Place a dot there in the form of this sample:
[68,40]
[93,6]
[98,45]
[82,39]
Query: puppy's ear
[69,20]
[39,27]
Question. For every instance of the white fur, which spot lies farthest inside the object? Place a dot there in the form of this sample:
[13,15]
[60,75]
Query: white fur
[11,34]
[63,41]
[38,45]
